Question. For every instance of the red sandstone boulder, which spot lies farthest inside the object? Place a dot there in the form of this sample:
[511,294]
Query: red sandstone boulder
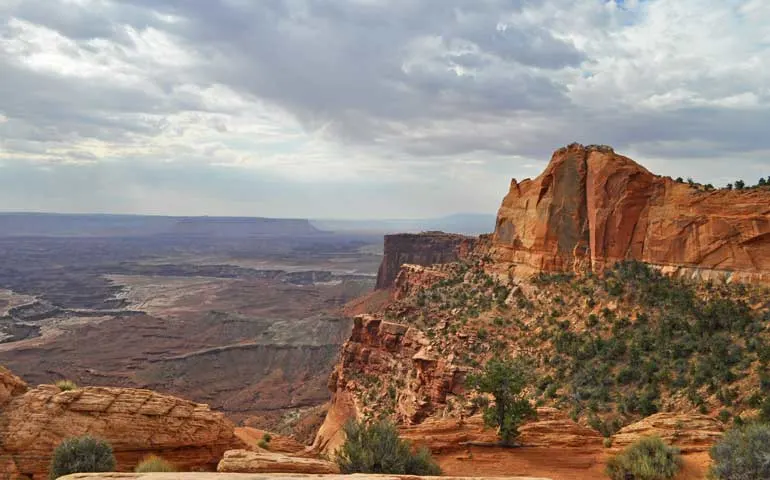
[135,422]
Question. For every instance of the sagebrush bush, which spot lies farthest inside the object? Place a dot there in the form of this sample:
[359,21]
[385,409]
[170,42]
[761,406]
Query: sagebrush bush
[377,448]
[66,385]
[743,453]
[84,454]
[154,463]
[650,458]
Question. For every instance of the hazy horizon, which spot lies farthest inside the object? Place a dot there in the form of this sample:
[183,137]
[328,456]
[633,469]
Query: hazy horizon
[358,109]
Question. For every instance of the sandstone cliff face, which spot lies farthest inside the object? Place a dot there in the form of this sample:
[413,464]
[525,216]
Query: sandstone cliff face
[427,248]
[592,207]
[376,350]
[135,422]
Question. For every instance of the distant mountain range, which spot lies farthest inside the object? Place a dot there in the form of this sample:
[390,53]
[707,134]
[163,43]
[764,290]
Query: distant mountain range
[106,225]
[101,225]
[465,223]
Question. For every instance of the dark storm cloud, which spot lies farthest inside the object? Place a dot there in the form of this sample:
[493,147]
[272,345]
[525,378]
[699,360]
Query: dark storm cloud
[336,60]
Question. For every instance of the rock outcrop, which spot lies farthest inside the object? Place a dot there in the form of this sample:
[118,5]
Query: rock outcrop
[135,422]
[551,429]
[592,207]
[247,461]
[375,349]
[692,433]
[425,249]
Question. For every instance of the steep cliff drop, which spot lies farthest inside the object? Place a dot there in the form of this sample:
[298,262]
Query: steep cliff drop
[592,207]
[428,248]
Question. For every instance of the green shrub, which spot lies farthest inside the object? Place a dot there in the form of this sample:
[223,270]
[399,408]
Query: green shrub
[647,459]
[82,455]
[743,453]
[263,444]
[267,437]
[66,385]
[377,448]
[154,463]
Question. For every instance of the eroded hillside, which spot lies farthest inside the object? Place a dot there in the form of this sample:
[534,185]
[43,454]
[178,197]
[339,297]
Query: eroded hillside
[608,348]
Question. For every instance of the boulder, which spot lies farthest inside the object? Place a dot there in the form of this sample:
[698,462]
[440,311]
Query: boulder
[247,461]
[135,422]
[690,432]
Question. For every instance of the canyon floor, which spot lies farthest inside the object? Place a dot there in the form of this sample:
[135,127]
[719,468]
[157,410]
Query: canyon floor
[174,313]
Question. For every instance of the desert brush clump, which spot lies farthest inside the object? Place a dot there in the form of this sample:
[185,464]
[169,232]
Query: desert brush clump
[743,453]
[376,448]
[66,385]
[264,442]
[154,464]
[649,458]
[84,454]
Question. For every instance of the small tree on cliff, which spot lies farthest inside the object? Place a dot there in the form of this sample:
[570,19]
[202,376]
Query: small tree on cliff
[505,380]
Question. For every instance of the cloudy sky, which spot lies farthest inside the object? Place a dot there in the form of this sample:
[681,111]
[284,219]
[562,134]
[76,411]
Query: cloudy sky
[365,108]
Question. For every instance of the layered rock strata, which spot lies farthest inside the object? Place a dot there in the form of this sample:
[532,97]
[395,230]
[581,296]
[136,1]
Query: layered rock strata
[135,422]
[424,249]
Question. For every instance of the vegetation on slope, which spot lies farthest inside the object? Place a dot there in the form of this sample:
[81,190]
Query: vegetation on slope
[608,348]
[743,453]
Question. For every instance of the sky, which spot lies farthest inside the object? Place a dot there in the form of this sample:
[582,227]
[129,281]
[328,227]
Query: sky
[365,108]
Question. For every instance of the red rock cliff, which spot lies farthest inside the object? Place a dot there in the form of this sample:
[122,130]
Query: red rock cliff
[425,249]
[592,207]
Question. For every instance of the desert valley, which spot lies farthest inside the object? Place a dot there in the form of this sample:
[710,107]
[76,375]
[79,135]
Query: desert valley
[640,305]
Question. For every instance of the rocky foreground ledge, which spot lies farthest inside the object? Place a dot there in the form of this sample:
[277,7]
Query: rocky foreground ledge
[266,476]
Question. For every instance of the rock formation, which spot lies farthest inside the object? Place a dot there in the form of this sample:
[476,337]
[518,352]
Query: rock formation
[692,433]
[246,461]
[135,422]
[592,207]
[427,248]
[379,348]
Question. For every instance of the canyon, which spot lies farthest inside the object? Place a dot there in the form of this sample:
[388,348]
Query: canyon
[169,304]
[639,302]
